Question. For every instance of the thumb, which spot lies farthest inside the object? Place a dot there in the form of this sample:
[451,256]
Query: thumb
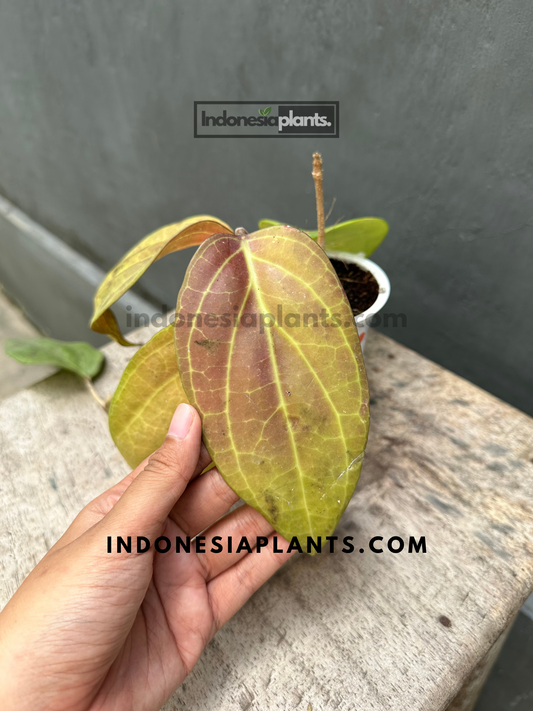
[149,499]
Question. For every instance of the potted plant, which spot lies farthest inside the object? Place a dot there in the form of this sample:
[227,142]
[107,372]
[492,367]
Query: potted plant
[349,246]
[264,345]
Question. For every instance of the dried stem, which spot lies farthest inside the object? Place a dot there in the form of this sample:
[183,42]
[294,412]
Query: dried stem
[317,176]
[99,399]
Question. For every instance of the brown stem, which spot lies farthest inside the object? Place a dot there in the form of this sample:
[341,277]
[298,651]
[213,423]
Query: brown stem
[99,399]
[317,176]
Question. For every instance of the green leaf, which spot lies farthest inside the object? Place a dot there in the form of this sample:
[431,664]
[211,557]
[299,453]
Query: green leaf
[80,358]
[267,111]
[355,236]
[361,236]
[284,406]
[263,224]
[166,240]
[261,112]
[145,399]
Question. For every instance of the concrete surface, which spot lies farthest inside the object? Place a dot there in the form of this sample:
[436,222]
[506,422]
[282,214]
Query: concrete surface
[510,684]
[436,136]
[394,631]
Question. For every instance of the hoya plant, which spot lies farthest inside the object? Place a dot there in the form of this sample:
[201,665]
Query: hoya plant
[265,347]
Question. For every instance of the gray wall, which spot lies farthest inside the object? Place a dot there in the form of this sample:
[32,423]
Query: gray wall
[436,137]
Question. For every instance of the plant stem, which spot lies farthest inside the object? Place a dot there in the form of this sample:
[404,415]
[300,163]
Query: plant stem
[99,399]
[317,176]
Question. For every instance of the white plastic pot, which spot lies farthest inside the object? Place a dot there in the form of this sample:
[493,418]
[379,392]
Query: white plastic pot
[363,320]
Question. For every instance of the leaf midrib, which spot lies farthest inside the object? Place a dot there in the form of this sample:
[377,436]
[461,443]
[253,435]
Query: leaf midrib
[321,302]
[249,261]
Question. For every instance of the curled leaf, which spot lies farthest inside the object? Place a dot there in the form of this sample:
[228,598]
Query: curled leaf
[172,238]
[78,357]
[361,236]
[107,324]
[271,360]
[145,399]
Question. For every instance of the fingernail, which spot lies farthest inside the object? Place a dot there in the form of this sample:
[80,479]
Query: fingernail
[181,421]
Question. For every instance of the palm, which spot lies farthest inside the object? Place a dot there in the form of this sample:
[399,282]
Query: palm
[172,627]
[121,632]
[187,600]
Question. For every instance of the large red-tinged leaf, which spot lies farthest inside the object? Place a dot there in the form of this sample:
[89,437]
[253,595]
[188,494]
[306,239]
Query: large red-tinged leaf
[285,405]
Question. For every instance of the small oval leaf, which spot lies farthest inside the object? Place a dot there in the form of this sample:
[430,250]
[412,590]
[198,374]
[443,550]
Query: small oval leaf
[357,236]
[77,357]
[361,236]
[281,389]
[145,399]
[263,224]
[172,238]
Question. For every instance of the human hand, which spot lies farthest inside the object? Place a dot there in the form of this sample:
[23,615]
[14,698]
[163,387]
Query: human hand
[89,630]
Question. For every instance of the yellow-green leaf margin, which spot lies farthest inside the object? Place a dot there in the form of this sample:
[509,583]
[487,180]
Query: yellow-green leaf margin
[148,393]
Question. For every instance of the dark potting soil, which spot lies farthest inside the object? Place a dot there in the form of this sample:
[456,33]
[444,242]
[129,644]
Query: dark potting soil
[360,286]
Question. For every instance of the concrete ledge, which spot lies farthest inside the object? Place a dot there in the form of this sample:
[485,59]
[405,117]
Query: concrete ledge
[52,282]
[370,632]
